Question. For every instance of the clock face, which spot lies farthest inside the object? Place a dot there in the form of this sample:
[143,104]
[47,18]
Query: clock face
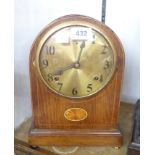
[76,61]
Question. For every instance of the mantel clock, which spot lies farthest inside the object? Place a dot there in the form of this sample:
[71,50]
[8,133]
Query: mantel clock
[76,72]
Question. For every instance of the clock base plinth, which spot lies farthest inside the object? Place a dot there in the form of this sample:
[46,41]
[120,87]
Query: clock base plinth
[75,137]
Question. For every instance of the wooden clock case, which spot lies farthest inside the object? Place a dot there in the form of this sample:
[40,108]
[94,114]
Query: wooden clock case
[50,127]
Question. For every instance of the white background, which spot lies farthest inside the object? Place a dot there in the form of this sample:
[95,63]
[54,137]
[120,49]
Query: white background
[32,15]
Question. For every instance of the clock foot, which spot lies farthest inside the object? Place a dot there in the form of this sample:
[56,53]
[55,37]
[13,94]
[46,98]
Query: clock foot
[34,146]
[117,147]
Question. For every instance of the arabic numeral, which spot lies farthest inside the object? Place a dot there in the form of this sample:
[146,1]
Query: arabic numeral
[89,88]
[93,41]
[50,77]
[50,50]
[99,78]
[74,91]
[45,63]
[107,64]
[60,86]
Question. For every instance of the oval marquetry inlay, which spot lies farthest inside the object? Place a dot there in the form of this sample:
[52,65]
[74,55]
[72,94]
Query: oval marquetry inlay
[75,114]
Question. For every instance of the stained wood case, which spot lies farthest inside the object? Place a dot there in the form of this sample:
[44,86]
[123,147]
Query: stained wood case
[100,127]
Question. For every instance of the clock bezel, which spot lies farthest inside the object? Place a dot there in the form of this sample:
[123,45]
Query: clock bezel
[73,20]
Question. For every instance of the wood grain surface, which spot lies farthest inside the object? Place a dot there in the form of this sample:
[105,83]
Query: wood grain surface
[102,108]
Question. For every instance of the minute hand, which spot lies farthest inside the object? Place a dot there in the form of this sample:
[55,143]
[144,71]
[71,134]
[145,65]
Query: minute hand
[81,49]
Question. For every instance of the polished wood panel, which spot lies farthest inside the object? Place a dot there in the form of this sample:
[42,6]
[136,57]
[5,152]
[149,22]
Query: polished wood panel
[80,137]
[102,108]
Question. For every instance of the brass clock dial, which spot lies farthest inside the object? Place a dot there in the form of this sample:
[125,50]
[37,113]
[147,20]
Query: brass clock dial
[76,61]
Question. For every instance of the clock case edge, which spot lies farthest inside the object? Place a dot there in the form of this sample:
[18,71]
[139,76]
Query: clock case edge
[101,136]
[79,137]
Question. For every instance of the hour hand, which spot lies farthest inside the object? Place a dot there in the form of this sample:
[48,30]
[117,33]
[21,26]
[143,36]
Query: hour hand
[61,71]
